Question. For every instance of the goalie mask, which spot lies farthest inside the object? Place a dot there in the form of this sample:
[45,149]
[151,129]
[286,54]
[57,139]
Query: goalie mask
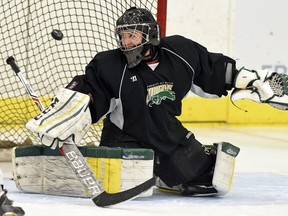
[136,31]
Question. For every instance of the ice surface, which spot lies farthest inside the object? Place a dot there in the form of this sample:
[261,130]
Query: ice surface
[260,186]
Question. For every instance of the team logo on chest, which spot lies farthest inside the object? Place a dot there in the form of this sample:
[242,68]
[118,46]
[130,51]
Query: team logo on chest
[159,92]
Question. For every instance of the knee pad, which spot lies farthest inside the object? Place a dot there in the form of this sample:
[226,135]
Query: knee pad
[187,162]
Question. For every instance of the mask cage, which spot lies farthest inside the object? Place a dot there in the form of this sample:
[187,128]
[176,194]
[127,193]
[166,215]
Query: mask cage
[130,32]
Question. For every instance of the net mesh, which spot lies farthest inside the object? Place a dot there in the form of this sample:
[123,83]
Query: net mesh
[48,63]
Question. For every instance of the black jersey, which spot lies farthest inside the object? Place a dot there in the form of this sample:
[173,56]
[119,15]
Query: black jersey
[144,103]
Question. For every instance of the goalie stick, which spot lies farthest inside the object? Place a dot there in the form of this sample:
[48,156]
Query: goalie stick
[79,165]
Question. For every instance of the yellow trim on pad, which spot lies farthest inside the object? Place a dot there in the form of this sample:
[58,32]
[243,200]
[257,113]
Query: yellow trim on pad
[108,171]
[114,175]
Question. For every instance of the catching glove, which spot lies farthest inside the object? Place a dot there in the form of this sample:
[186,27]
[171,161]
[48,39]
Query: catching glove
[261,86]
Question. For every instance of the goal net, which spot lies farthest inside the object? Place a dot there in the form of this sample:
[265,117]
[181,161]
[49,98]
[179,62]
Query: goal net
[50,64]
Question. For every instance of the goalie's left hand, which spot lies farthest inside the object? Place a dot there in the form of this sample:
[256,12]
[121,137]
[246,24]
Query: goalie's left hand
[262,86]
[66,119]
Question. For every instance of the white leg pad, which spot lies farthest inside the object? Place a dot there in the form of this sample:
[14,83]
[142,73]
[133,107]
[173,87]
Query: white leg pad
[224,167]
[38,169]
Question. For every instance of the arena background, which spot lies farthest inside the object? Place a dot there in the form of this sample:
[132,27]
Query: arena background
[251,31]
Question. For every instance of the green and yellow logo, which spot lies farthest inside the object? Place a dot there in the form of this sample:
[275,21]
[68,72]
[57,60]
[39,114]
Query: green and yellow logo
[158,93]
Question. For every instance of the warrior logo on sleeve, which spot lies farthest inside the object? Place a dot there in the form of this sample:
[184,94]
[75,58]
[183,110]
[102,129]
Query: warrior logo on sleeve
[159,92]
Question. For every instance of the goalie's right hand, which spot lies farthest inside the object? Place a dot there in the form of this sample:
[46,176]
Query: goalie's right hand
[67,119]
[54,142]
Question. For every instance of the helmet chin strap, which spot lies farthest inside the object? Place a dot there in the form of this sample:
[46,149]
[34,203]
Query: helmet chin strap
[153,54]
[147,51]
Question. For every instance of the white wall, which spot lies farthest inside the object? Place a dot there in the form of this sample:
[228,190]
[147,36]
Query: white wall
[261,33]
[207,22]
[253,31]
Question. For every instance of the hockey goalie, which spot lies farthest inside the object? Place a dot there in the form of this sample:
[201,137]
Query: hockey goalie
[138,88]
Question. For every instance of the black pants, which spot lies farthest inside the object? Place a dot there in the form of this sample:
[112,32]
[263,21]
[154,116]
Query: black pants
[188,162]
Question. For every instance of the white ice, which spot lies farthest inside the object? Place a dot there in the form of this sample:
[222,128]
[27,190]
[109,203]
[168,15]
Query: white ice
[260,185]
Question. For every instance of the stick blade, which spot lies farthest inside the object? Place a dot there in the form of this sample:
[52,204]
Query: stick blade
[105,199]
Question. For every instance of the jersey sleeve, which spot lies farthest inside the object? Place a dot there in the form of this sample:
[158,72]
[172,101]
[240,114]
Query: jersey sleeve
[91,83]
[210,71]
[214,71]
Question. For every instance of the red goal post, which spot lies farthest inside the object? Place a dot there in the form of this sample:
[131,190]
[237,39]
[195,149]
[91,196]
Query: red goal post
[49,64]
[162,16]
